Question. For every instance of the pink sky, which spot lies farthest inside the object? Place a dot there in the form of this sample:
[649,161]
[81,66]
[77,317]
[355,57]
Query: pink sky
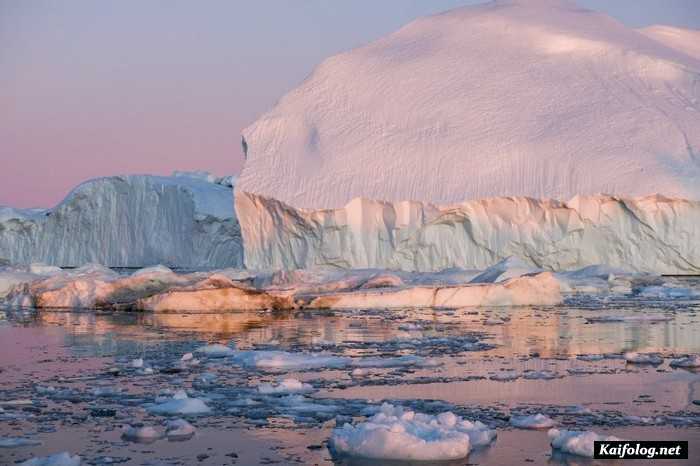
[93,89]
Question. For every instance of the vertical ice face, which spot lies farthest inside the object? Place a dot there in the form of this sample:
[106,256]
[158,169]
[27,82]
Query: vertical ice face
[130,221]
[510,98]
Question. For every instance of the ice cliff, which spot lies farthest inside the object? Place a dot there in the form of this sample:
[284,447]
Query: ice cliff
[511,98]
[130,221]
[649,234]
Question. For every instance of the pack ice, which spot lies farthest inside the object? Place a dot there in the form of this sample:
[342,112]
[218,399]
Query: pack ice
[537,98]
[130,221]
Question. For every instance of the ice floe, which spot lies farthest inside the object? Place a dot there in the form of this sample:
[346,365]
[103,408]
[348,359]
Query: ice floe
[535,421]
[633,357]
[691,361]
[179,429]
[142,434]
[395,433]
[576,442]
[212,351]
[180,403]
[58,459]
[13,442]
[285,386]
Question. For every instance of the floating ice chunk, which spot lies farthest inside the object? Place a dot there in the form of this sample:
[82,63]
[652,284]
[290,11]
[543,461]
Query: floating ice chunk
[590,357]
[400,361]
[105,391]
[536,421]
[289,361]
[397,434]
[186,357]
[505,376]
[540,375]
[686,361]
[668,292]
[179,429]
[13,442]
[359,372]
[59,459]
[180,404]
[214,351]
[137,363]
[494,321]
[633,357]
[284,387]
[632,318]
[576,442]
[144,434]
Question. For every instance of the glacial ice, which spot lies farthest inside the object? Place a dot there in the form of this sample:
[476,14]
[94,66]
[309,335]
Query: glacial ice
[648,234]
[609,110]
[129,221]
[179,429]
[633,357]
[395,433]
[180,404]
[285,387]
[576,442]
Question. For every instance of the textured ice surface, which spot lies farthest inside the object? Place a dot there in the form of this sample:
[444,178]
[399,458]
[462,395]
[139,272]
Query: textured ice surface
[129,221]
[648,234]
[285,386]
[180,404]
[395,433]
[575,442]
[512,98]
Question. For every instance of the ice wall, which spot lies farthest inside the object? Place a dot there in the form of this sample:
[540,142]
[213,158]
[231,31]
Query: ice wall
[653,234]
[129,221]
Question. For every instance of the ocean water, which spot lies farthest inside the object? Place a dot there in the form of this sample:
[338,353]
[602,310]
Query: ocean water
[69,381]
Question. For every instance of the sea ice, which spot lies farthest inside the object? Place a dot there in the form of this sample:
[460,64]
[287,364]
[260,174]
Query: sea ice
[536,421]
[398,434]
[691,361]
[12,442]
[145,434]
[285,386]
[179,429]
[216,350]
[58,459]
[633,357]
[282,360]
[576,442]
[180,404]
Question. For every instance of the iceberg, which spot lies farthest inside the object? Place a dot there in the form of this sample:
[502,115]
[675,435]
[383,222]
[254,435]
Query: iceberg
[129,221]
[579,443]
[509,98]
[651,234]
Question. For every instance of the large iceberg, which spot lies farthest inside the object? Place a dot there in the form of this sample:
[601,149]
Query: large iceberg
[537,98]
[647,234]
[130,221]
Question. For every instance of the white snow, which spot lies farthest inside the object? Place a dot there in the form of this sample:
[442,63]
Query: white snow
[511,98]
[646,234]
[285,386]
[643,358]
[535,421]
[398,434]
[576,442]
[129,221]
[58,459]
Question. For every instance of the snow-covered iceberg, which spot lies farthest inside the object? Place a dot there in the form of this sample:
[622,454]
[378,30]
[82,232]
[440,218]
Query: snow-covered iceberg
[651,234]
[537,98]
[130,221]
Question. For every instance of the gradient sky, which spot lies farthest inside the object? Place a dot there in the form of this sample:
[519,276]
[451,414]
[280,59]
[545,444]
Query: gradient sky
[150,86]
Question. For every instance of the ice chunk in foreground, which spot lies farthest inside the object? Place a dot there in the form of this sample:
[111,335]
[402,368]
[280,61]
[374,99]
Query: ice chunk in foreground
[535,421]
[59,459]
[286,386]
[397,434]
[576,442]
